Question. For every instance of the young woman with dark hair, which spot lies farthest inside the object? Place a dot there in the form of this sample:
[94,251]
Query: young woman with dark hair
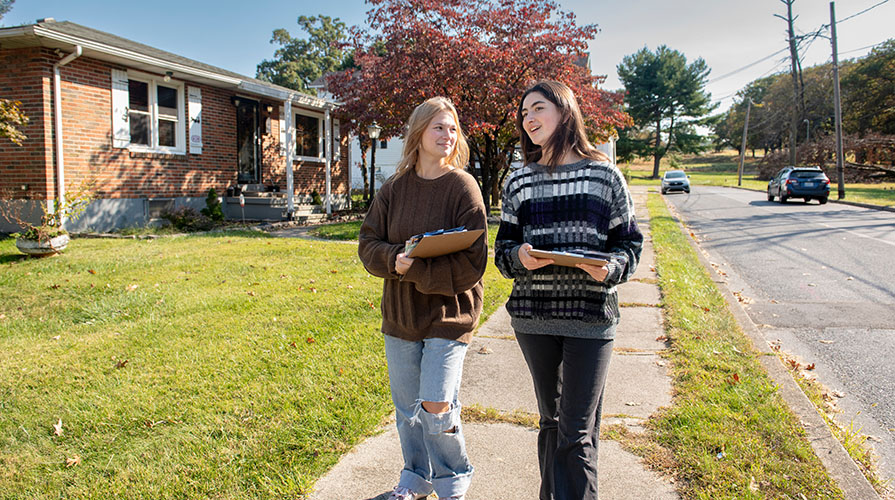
[567,197]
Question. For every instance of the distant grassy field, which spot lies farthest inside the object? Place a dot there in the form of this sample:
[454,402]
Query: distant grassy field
[720,169]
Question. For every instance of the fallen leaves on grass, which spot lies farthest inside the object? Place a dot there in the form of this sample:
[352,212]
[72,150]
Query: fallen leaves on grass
[735,379]
[661,338]
[71,462]
[134,286]
[2,316]
[311,340]
[251,293]
[91,271]
[57,428]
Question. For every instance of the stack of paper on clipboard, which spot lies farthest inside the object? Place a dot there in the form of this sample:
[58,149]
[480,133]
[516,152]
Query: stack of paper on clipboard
[571,259]
[441,242]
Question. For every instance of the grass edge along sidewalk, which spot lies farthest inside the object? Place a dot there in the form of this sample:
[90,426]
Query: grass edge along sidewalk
[729,430]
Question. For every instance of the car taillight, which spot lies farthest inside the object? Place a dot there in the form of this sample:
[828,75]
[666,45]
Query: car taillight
[792,181]
[826,181]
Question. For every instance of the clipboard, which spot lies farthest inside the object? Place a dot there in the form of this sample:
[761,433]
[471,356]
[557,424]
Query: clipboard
[570,259]
[444,243]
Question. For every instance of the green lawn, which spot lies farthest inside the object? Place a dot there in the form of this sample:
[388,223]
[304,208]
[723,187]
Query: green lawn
[729,431]
[721,170]
[223,366]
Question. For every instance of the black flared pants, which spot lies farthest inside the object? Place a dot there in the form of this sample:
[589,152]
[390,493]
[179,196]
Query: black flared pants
[569,374]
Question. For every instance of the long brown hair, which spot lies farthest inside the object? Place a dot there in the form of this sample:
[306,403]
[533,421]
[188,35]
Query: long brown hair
[570,133]
[413,136]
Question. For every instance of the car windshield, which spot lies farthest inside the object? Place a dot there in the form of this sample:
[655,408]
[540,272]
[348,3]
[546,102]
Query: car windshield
[674,175]
[807,174]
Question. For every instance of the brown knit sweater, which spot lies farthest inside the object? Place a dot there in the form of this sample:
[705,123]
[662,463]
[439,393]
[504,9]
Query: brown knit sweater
[440,296]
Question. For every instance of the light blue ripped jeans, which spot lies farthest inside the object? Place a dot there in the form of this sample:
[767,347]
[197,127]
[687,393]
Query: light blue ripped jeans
[432,444]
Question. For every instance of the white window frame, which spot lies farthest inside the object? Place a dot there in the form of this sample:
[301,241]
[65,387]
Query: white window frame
[180,131]
[321,152]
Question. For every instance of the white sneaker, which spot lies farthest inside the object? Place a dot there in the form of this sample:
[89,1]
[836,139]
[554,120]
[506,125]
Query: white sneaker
[402,493]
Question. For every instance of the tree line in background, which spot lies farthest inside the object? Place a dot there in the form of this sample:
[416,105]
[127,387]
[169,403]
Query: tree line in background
[868,116]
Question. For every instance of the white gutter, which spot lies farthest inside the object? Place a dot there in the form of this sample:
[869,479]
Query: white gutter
[135,56]
[290,155]
[57,116]
[328,149]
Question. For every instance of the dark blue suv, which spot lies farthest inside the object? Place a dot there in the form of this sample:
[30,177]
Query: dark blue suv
[807,183]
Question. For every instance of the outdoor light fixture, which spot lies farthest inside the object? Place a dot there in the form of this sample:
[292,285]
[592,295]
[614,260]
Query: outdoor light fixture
[235,101]
[373,131]
[269,108]
[168,75]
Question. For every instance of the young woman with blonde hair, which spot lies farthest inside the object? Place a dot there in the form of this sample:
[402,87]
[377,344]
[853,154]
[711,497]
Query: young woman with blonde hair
[430,306]
[567,197]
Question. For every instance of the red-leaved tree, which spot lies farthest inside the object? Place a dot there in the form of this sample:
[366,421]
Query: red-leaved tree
[482,54]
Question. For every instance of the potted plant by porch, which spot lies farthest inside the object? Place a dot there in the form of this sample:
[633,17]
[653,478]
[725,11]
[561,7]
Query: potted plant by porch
[48,237]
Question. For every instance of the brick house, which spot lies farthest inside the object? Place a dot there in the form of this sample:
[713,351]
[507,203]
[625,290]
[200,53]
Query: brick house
[155,130]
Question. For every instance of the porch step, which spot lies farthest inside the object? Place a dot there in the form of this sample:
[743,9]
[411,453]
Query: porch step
[310,218]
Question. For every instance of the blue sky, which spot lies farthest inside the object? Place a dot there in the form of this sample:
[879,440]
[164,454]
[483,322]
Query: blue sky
[728,34]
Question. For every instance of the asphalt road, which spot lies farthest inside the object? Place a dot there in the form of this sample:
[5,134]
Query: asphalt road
[821,280]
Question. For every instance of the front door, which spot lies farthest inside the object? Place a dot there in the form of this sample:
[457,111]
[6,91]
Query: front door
[248,138]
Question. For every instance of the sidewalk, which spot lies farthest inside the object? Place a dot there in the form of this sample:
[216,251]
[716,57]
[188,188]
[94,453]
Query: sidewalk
[495,376]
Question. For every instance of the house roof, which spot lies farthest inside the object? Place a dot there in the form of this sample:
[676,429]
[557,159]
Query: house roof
[97,44]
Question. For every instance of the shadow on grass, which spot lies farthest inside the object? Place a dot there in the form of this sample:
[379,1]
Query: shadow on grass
[7,258]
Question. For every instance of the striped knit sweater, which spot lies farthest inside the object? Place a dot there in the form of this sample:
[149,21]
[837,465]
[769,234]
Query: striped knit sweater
[580,207]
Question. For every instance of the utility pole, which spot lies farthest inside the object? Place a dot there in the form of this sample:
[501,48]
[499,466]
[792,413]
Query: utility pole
[794,61]
[840,161]
[743,147]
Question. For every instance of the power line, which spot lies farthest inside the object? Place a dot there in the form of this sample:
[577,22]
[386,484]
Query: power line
[774,68]
[862,48]
[823,27]
[859,13]
[810,37]
[763,59]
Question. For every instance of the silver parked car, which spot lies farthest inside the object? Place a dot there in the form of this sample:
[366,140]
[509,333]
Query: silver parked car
[675,180]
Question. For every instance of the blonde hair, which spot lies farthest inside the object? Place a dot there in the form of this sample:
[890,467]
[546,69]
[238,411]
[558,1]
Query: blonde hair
[413,137]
